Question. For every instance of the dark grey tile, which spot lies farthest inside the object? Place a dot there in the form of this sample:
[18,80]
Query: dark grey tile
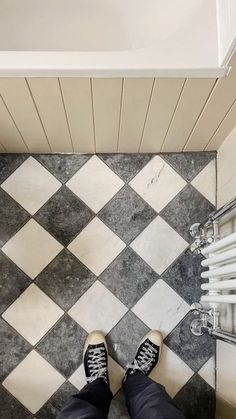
[65,279]
[126,165]
[185,276]
[63,346]
[188,165]
[196,399]
[9,163]
[62,166]
[13,349]
[12,282]
[54,405]
[128,277]
[64,215]
[10,408]
[188,207]
[123,340]
[127,214]
[12,217]
[194,350]
[118,407]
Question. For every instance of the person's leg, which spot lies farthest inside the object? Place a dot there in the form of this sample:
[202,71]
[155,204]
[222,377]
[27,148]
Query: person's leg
[146,399]
[93,401]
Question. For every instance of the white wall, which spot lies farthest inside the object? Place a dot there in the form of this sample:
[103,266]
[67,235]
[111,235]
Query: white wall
[226,10]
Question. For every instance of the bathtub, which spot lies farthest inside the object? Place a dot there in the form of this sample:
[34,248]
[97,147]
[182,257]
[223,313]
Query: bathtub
[111,38]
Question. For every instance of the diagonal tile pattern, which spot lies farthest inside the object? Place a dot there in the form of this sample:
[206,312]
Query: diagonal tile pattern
[95,233]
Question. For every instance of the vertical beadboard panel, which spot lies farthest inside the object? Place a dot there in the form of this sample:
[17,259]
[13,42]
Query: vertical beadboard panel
[165,96]
[191,102]
[107,105]
[78,104]
[10,137]
[18,99]
[48,99]
[135,101]
[223,130]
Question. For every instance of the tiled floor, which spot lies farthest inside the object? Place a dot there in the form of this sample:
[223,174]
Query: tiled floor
[100,242]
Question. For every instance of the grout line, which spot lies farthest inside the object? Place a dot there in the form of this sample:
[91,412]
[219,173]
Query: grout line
[146,116]
[93,114]
[4,149]
[120,113]
[64,107]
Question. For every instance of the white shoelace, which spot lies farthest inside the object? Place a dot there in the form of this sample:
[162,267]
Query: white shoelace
[97,364]
[145,359]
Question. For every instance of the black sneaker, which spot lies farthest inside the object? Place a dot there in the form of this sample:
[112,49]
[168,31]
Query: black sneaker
[148,354]
[96,357]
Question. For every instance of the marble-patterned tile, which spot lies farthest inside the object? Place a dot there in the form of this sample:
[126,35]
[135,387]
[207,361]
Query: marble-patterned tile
[13,348]
[9,163]
[159,245]
[188,165]
[31,185]
[194,350]
[118,407]
[205,182]
[54,405]
[63,346]
[12,217]
[124,339]
[187,208]
[127,214]
[161,308]
[32,248]
[10,408]
[208,371]
[128,277]
[33,390]
[96,246]
[95,183]
[62,166]
[98,309]
[64,216]
[65,279]
[12,282]
[185,276]
[157,183]
[196,399]
[126,165]
[33,314]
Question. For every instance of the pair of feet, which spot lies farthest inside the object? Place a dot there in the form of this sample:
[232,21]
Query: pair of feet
[96,356]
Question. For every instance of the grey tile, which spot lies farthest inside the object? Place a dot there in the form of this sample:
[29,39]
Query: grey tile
[185,276]
[10,408]
[128,277]
[12,217]
[13,349]
[64,215]
[9,163]
[194,350]
[196,399]
[126,165]
[188,207]
[63,346]
[127,214]
[188,165]
[62,166]
[65,279]
[124,338]
[54,405]
[12,282]
[118,407]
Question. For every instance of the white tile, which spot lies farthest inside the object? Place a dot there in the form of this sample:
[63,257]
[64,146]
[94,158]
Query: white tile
[98,309]
[205,182]
[226,371]
[95,183]
[32,248]
[33,314]
[31,185]
[161,308]
[33,381]
[96,246]
[171,372]
[207,372]
[116,375]
[157,183]
[159,245]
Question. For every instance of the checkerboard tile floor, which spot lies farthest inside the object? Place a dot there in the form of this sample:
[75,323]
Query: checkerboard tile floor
[100,242]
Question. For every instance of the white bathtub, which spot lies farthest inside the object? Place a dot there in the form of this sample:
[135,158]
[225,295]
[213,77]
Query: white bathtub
[111,38]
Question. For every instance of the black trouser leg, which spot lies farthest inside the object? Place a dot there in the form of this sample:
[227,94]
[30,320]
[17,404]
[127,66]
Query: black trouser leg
[146,399]
[92,402]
